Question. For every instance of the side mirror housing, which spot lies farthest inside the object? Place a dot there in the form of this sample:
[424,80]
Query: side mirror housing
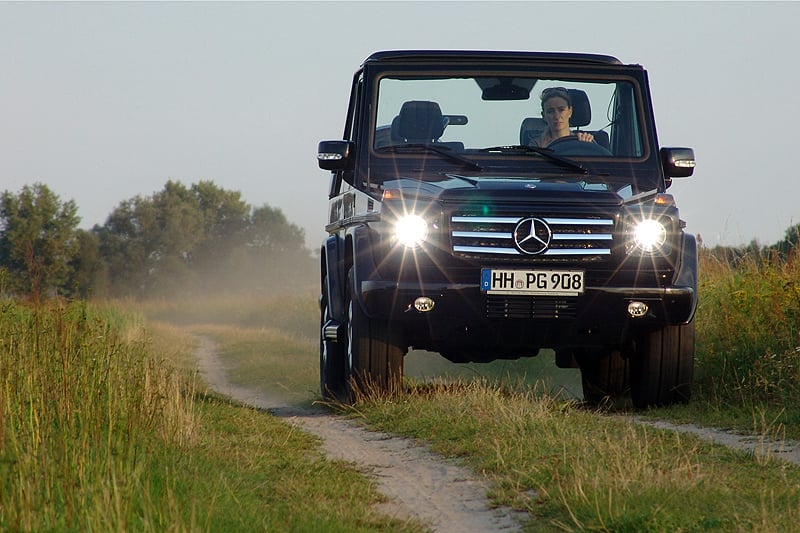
[678,162]
[335,155]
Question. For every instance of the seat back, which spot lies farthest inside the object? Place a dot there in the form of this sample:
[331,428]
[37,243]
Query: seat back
[532,127]
[581,108]
[530,130]
[419,121]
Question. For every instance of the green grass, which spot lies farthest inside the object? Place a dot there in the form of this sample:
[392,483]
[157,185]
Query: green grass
[104,428]
[296,313]
[516,422]
[267,359]
[747,371]
[81,406]
[252,472]
[573,471]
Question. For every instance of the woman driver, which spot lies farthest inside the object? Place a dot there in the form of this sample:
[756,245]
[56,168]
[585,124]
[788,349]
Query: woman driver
[556,112]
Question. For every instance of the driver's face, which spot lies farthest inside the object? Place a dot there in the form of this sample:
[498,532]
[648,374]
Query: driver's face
[556,112]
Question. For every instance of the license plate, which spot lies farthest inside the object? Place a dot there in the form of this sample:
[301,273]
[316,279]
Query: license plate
[532,282]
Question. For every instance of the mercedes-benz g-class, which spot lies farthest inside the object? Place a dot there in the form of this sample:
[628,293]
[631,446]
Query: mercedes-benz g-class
[459,222]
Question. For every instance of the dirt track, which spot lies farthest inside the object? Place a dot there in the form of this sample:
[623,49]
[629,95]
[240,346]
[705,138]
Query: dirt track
[418,484]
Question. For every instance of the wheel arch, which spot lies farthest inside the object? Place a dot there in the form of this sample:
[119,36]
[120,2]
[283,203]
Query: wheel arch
[339,255]
[686,270]
[332,273]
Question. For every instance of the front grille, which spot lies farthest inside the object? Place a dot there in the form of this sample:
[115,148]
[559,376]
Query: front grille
[572,238]
[530,307]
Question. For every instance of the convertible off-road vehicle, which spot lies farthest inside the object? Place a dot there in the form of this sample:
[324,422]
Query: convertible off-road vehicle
[454,229]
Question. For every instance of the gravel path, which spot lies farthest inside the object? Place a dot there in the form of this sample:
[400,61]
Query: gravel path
[421,485]
[418,484]
[756,445]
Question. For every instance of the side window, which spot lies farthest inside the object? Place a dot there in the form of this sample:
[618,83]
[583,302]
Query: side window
[627,135]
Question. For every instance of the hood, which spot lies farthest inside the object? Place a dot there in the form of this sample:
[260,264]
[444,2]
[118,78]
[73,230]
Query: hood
[458,187]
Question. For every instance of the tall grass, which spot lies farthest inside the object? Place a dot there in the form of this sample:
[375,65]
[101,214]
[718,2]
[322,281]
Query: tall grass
[82,404]
[571,470]
[748,329]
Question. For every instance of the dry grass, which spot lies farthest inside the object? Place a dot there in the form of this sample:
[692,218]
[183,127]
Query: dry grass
[574,471]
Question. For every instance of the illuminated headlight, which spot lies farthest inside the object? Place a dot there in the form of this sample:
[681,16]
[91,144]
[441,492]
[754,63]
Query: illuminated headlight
[649,235]
[411,231]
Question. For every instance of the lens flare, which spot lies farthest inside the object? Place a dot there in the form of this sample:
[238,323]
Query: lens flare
[411,230]
[649,235]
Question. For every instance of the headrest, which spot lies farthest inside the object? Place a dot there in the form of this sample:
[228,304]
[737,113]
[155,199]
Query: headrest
[531,129]
[581,108]
[420,121]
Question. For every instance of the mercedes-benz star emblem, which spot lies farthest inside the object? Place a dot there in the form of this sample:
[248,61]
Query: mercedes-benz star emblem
[532,235]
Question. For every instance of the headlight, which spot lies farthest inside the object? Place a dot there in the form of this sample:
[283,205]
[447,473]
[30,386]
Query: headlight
[411,230]
[649,235]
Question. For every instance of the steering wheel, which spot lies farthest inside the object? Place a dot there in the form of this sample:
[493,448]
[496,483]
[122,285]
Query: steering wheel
[571,145]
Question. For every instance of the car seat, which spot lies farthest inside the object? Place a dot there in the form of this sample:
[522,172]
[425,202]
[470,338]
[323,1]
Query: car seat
[532,127]
[582,116]
[419,122]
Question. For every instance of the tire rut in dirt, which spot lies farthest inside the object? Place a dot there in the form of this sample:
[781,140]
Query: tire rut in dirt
[419,485]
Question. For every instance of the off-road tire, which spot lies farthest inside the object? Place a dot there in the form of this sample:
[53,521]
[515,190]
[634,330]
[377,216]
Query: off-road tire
[662,367]
[604,376]
[374,352]
[332,379]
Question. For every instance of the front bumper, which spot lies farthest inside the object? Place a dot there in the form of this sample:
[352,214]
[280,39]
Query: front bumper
[598,306]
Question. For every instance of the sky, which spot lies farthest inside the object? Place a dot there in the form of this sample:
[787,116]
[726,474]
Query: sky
[103,102]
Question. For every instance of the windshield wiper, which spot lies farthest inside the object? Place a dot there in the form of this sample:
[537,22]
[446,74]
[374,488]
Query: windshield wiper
[441,150]
[545,152]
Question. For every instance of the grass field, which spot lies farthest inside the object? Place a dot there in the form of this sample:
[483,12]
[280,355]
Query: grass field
[105,425]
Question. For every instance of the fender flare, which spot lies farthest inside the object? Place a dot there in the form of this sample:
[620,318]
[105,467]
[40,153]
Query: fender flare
[686,269]
[339,256]
[333,275]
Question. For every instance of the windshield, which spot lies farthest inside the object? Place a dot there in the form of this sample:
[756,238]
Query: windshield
[482,115]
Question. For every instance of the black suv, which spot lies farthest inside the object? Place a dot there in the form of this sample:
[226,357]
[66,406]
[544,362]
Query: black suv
[453,228]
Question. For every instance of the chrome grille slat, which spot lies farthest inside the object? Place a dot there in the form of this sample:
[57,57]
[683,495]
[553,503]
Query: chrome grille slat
[573,237]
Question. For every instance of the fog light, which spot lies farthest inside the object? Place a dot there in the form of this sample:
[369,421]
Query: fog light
[637,309]
[423,304]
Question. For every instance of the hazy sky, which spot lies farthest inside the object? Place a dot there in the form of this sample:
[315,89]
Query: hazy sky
[105,101]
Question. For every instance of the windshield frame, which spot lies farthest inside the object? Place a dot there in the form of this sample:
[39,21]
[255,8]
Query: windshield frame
[492,159]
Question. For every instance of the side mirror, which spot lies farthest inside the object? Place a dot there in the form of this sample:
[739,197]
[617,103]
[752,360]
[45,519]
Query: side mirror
[678,162]
[335,155]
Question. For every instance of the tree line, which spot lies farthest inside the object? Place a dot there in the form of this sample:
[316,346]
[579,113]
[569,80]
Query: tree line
[180,240]
[785,249]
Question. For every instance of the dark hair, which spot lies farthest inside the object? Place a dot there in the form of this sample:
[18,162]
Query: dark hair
[560,92]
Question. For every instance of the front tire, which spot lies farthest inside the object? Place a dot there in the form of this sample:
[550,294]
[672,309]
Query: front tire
[604,376]
[374,358]
[663,366]
[332,380]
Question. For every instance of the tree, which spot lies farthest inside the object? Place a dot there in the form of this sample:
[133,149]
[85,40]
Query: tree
[197,238]
[147,242]
[37,239]
[89,277]
[790,242]
[270,232]
[225,220]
